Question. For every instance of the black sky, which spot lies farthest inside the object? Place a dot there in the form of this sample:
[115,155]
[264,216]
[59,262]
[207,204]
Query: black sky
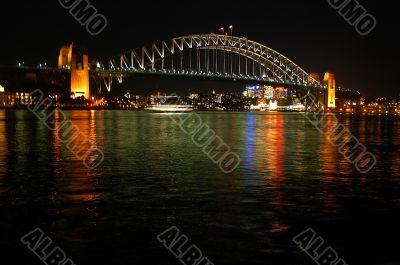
[310,33]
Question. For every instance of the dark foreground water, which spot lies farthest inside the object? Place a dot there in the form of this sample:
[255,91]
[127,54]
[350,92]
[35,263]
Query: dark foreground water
[153,177]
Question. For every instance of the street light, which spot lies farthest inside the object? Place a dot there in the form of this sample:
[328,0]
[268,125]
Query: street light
[222,29]
[231,28]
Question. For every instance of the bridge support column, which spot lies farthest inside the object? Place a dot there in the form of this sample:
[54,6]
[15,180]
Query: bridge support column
[330,82]
[77,61]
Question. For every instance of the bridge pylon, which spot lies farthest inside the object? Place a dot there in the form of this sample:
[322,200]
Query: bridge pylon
[77,61]
[330,82]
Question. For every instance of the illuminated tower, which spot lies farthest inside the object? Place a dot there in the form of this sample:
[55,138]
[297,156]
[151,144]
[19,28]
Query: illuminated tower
[77,61]
[64,59]
[80,74]
[330,82]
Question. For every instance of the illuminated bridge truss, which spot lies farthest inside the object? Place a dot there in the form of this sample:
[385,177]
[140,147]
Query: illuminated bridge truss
[211,56]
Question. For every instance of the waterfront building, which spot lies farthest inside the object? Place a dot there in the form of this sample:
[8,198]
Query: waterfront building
[269,92]
[281,93]
[12,99]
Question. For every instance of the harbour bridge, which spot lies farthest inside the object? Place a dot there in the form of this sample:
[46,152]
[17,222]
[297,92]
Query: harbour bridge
[204,57]
[209,56]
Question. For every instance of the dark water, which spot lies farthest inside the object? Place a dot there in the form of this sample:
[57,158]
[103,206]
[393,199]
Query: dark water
[153,177]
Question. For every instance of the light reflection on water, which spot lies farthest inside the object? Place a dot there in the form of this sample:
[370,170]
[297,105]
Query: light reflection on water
[153,177]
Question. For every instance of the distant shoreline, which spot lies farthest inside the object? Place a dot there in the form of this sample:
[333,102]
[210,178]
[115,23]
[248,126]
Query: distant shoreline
[220,111]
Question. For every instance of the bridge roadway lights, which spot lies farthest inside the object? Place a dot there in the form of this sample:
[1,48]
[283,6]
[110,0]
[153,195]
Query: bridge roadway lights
[300,91]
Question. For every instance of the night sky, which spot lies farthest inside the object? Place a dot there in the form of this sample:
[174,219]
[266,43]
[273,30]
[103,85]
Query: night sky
[310,33]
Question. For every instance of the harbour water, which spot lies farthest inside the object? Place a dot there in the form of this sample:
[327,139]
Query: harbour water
[153,177]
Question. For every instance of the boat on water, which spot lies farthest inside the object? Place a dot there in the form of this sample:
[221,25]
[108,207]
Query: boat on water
[171,108]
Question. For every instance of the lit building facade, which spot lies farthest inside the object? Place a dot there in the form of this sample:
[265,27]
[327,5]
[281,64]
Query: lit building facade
[265,94]
[269,92]
[11,99]
[252,92]
[281,93]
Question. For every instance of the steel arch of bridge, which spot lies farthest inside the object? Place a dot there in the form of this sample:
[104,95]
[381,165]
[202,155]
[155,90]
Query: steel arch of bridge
[274,68]
[280,67]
